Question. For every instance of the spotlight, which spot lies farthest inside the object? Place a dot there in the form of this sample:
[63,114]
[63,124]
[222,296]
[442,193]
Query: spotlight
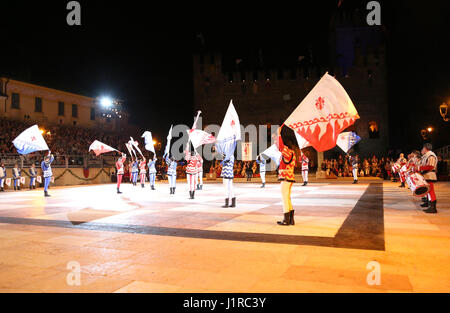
[106,102]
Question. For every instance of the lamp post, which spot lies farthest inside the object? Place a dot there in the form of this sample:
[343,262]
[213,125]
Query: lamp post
[426,133]
[443,109]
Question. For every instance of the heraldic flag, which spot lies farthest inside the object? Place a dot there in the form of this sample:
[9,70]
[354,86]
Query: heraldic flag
[100,148]
[347,140]
[148,141]
[302,142]
[229,132]
[324,113]
[30,140]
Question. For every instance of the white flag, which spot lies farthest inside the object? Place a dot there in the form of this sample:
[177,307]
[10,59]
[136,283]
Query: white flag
[169,138]
[148,141]
[273,153]
[99,148]
[134,145]
[324,113]
[231,125]
[200,137]
[30,140]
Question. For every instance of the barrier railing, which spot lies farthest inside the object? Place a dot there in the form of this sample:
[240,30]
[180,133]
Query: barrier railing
[61,161]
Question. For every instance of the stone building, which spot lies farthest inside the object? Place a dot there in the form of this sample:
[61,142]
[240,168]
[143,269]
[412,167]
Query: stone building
[268,96]
[24,101]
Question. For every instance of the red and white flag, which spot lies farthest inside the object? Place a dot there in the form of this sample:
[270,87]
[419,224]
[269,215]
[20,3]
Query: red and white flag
[99,148]
[200,137]
[324,113]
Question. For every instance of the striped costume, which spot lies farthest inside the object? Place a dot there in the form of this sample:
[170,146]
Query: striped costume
[191,170]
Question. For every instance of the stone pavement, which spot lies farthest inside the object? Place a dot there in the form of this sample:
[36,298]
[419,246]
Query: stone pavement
[150,241]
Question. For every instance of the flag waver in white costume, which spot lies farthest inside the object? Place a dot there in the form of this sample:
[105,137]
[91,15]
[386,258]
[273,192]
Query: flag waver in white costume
[262,169]
[229,133]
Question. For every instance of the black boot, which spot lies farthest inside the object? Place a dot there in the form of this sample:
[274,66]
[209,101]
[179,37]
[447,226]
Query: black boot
[193,195]
[173,190]
[118,190]
[432,208]
[425,204]
[286,221]
[291,217]
[226,203]
[402,185]
[46,194]
[153,187]
[142,185]
[15,188]
[233,202]
[201,187]
[305,183]
[1,189]
[198,187]
[263,185]
[355,181]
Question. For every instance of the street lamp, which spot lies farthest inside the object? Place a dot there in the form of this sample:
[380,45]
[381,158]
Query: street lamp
[443,109]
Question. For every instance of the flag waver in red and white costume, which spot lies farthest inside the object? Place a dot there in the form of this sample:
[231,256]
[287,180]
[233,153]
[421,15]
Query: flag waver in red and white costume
[142,171]
[305,169]
[120,170]
[191,171]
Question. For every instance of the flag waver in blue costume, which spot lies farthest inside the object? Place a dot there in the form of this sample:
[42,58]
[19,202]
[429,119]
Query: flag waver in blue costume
[47,171]
[31,140]
[229,134]
[32,172]
[16,176]
[152,172]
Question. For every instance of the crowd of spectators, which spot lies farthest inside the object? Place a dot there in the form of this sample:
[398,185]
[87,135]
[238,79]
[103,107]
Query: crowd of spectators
[62,140]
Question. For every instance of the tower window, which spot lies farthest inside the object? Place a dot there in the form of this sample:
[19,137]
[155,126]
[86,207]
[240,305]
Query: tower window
[373,130]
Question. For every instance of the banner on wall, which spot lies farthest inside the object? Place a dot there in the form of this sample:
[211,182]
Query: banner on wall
[246,151]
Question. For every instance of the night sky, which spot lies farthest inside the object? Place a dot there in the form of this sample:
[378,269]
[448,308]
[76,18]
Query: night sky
[142,54]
